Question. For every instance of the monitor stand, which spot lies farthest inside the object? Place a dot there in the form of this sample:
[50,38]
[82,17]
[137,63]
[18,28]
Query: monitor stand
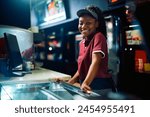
[16,72]
[12,73]
[8,71]
[19,73]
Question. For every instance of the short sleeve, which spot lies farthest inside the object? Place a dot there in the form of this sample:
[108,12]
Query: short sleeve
[100,44]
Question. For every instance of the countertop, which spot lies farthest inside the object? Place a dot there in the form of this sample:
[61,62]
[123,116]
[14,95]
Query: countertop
[37,75]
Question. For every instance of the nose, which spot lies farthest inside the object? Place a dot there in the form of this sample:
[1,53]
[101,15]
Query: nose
[84,26]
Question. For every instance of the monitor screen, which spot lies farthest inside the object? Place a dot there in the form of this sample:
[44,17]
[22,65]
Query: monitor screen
[47,12]
[14,55]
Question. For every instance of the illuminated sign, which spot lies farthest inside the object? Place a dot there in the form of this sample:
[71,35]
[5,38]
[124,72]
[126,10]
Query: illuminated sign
[115,2]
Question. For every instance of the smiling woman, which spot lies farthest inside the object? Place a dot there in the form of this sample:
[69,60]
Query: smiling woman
[92,70]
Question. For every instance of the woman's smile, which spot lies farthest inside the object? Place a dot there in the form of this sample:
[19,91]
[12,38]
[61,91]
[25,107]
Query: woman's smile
[85,32]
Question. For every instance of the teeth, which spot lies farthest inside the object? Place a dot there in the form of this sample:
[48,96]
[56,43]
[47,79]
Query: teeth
[85,31]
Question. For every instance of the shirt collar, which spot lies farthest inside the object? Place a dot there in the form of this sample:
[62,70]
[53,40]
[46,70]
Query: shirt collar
[88,39]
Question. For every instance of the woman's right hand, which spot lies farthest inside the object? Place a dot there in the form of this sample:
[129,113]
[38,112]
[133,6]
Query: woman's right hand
[74,79]
[71,81]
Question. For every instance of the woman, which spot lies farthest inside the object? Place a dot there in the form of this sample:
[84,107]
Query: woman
[92,70]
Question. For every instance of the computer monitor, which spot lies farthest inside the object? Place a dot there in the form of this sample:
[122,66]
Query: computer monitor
[14,55]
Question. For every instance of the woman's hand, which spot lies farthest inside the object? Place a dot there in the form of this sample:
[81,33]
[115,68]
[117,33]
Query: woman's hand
[74,79]
[71,81]
[85,88]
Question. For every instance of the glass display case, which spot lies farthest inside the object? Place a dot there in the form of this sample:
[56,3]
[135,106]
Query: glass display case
[45,91]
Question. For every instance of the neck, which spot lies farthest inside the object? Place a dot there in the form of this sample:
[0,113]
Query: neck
[89,38]
[91,35]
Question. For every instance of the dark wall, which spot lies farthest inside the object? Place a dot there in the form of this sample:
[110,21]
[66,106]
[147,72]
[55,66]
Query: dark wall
[15,13]
[142,13]
[75,5]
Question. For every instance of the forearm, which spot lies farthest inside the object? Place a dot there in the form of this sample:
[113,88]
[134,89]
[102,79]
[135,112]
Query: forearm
[91,73]
[96,59]
[75,78]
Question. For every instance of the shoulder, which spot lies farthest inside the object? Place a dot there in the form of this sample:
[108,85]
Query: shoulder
[99,35]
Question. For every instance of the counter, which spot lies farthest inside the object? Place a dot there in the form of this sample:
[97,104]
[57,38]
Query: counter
[37,75]
[28,87]
[41,85]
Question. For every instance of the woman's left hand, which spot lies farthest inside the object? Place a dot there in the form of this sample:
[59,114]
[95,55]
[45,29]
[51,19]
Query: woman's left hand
[85,88]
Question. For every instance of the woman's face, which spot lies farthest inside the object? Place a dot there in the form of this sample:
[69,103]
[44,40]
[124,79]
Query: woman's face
[87,25]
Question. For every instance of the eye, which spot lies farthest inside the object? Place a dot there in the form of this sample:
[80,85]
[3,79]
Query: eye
[80,23]
[88,23]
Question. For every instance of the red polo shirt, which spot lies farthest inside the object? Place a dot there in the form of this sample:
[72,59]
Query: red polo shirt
[96,44]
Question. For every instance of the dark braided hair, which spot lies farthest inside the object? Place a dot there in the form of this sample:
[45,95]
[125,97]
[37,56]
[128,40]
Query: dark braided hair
[102,25]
